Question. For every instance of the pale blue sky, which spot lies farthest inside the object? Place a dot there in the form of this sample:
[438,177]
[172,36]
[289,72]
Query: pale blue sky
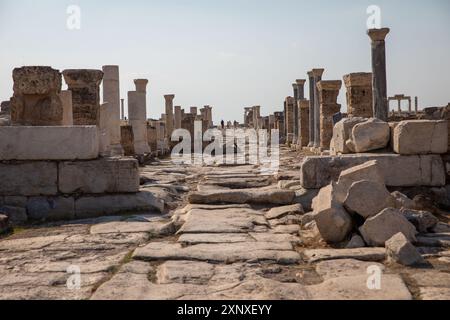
[228,53]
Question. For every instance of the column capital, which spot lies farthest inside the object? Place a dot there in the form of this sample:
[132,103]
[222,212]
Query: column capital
[378,34]
[169,97]
[141,85]
[300,82]
[358,79]
[310,74]
[295,86]
[317,72]
[329,85]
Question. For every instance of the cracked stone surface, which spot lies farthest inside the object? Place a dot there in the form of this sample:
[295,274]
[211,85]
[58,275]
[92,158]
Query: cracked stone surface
[242,238]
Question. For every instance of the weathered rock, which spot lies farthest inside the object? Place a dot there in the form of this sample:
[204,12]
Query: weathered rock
[366,171]
[400,250]
[398,171]
[380,228]
[28,178]
[434,293]
[403,201]
[367,136]
[441,227]
[368,198]
[280,212]
[48,143]
[159,228]
[342,132]
[108,175]
[305,197]
[95,206]
[424,221]
[51,208]
[307,218]
[363,254]
[329,269]
[16,215]
[4,219]
[421,137]
[239,196]
[333,221]
[355,242]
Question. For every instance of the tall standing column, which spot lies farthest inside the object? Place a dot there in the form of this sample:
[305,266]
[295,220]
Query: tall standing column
[300,97]
[193,111]
[304,123]
[409,105]
[137,114]
[416,105]
[122,109]
[295,111]
[111,95]
[317,74]
[311,108]
[289,120]
[379,84]
[169,115]
[177,117]
[328,94]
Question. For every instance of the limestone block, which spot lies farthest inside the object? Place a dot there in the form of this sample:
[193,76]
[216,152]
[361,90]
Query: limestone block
[108,175]
[48,143]
[398,171]
[421,137]
[380,228]
[36,100]
[333,222]
[342,132]
[400,250]
[366,171]
[28,178]
[51,208]
[66,99]
[370,135]
[368,198]
[95,206]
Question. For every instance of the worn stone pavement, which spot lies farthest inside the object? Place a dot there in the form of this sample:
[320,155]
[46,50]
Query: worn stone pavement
[240,249]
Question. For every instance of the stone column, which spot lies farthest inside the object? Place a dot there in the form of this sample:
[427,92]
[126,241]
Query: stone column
[317,74]
[85,87]
[399,106]
[328,94]
[416,105]
[271,121]
[104,130]
[379,85]
[256,116]
[359,94]
[304,123]
[111,95]
[209,116]
[289,120]
[122,108]
[193,111]
[169,115]
[300,97]
[137,114]
[178,117]
[295,113]
[311,108]
[409,105]
[66,99]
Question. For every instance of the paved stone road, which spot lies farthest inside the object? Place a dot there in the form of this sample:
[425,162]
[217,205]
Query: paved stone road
[258,243]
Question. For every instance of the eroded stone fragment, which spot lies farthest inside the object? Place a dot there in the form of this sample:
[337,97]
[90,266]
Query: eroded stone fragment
[400,250]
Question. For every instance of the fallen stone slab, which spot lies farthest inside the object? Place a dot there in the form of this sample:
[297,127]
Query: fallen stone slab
[245,251]
[400,250]
[398,171]
[242,196]
[333,222]
[28,178]
[356,288]
[280,212]
[237,183]
[363,254]
[158,228]
[49,143]
[108,175]
[421,137]
[433,240]
[368,198]
[342,132]
[380,228]
[190,207]
[95,206]
[370,135]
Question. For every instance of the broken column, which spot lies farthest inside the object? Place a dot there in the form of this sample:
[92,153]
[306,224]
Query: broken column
[85,87]
[169,115]
[379,85]
[328,93]
[111,95]
[137,114]
[178,117]
[317,74]
[36,99]
[304,123]
[359,94]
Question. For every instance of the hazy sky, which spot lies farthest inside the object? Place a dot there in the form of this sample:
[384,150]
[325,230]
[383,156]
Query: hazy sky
[230,53]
